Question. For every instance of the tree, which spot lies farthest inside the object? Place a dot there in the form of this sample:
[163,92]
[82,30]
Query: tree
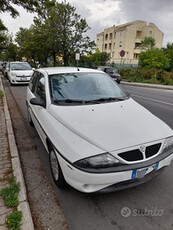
[32,44]
[66,30]
[96,59]
[148,43]
[22,38]
[169,52]
[3,36]
[155,58]
[60,32]
[11,51]
[30,5]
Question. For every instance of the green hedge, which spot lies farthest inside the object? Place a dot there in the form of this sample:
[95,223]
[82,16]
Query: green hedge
[147,75]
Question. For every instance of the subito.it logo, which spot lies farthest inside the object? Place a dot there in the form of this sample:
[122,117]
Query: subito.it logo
[125,212]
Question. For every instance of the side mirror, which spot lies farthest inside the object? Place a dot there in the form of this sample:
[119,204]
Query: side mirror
[37,101]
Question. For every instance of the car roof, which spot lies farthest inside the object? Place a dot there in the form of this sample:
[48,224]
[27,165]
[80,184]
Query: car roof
[55,70]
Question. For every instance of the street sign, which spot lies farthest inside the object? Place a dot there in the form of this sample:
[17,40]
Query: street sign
[122,53]
[77,56]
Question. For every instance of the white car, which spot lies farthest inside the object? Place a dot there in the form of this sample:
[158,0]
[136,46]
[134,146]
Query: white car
[19,72]
[98,138]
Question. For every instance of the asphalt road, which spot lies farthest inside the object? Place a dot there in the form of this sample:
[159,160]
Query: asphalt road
[157,101]
[149,206]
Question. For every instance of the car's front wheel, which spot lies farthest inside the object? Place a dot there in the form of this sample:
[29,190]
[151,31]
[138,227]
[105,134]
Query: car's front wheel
[29,116]
[11,82]
[56,170]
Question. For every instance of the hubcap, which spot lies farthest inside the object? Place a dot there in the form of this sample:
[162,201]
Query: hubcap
[54,165]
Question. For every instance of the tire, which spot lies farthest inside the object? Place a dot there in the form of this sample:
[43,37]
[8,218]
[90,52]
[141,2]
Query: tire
[56,169]
[29,117]
[11,83]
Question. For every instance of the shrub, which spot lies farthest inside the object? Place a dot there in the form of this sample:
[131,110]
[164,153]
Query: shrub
[10,194]
[14,220]
[147,75]
[2,96]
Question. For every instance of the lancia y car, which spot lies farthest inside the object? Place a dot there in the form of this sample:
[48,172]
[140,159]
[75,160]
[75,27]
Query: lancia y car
[98,138]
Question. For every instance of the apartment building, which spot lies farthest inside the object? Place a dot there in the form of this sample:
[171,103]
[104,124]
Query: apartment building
[127,37]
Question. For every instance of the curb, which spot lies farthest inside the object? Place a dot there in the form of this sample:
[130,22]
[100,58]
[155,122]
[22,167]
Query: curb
[147,85]
[27,223]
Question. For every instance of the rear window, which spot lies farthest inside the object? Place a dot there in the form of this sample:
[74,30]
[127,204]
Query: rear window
[111,70]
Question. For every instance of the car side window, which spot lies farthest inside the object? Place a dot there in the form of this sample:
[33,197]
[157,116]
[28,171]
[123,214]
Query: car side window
[32,82]
[39,90]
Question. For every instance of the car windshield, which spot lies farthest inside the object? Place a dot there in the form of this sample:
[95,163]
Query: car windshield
[111,70]
[84,88]
[20,66]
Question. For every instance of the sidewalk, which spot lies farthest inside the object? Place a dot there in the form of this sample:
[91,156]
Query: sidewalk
[10,166]
[156,86]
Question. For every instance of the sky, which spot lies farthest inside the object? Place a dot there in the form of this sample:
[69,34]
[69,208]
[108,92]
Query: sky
[101,14]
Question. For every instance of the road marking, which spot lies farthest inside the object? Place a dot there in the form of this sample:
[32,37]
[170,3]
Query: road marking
[162,102]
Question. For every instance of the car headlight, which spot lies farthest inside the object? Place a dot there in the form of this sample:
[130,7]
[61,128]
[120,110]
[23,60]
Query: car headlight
[13,74]
[97,162]
[168,144]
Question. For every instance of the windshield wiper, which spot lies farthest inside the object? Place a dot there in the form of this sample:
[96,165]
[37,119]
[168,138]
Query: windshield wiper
[107,99]
[95,101]
[21,69]
[70,101]
[111,99]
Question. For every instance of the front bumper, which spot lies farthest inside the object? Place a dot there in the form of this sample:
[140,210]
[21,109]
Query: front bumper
[132,182]
[106,182]
[20,80]
[118,80]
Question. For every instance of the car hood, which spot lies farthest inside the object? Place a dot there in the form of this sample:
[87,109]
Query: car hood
[112,126]
[22,72]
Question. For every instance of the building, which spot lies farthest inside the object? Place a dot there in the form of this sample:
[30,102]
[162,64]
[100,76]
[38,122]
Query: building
[127,37]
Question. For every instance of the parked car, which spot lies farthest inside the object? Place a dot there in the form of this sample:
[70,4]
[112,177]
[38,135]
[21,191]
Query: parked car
[19,72]
[98,138]
[3,68]
[113,72]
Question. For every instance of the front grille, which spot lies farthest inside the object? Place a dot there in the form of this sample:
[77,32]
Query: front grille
[22,81]
[152,150]
[22,76]
[136,154]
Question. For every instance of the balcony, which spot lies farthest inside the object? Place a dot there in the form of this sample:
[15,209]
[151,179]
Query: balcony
[137,50]
[138,39]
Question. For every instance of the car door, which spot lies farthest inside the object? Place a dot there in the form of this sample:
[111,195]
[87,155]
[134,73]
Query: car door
[38,113]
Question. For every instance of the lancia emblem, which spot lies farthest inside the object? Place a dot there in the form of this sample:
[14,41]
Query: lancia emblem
[142,148]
